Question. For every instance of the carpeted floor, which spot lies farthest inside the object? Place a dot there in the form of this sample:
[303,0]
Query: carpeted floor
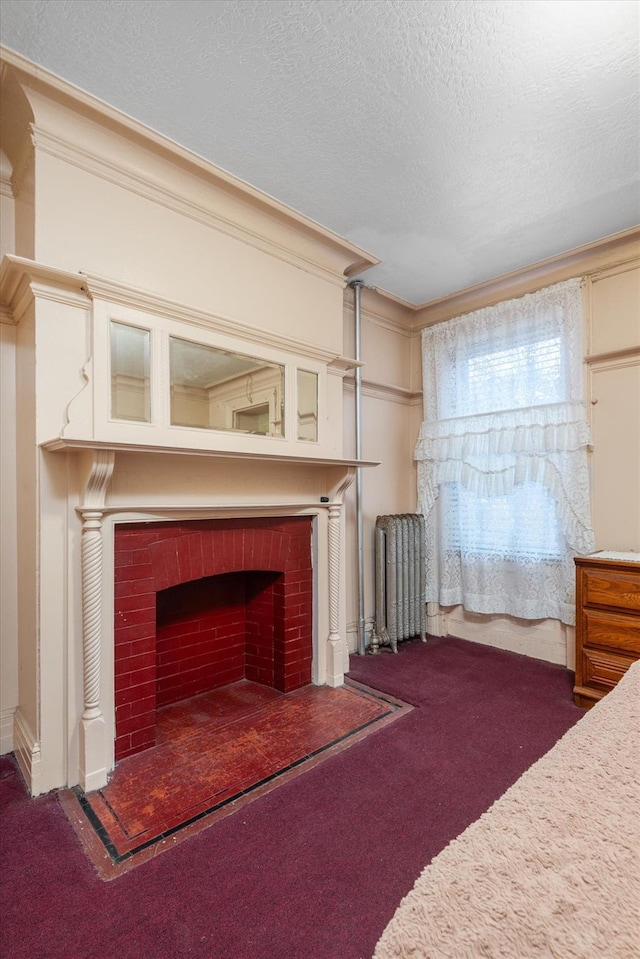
[318,866]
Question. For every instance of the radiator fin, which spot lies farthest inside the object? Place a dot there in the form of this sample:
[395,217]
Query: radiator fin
[400,579]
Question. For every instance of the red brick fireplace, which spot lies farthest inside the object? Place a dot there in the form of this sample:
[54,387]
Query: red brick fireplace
[200,604]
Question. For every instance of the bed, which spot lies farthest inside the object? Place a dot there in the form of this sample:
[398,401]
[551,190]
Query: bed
[552,869]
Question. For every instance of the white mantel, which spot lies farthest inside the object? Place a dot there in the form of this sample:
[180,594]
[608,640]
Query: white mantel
[91,472]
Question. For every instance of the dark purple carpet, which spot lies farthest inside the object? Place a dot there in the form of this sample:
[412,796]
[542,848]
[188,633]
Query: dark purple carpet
[317,867]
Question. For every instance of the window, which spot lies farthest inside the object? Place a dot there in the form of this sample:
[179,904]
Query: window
[525,374]
[502,468]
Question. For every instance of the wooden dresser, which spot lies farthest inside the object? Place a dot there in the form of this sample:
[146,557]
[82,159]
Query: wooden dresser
[607,623]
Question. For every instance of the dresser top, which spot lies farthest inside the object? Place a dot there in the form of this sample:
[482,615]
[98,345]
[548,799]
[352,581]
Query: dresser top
[612,559]
[612,554]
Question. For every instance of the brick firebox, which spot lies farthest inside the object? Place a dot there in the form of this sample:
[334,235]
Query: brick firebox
[200,604]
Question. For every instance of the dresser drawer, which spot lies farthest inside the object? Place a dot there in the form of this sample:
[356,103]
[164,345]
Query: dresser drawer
[602,669]
[611,631]
[607,623]
[610,588]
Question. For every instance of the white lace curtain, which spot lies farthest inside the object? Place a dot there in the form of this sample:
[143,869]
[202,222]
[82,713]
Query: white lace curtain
[502,456]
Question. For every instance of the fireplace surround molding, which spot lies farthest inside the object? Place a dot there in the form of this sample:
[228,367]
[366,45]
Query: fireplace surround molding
[102,509]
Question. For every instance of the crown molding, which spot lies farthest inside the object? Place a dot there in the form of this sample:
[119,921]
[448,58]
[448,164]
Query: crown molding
[324,249]
[611,253]
[608,253]
[22,279]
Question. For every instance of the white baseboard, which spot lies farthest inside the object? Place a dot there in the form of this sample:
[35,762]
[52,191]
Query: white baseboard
[6,730]
[27,752]
[547,640]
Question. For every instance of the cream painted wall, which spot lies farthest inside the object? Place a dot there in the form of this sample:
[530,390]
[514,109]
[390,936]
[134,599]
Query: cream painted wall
[7,208]
[8,539]
[176,255]
[613,394]
[8,490]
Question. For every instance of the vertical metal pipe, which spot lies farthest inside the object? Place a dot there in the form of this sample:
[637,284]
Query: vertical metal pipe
[357,287]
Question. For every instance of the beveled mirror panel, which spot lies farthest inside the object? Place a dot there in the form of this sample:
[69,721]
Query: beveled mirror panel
[130,389]
[307,406]
[221,390]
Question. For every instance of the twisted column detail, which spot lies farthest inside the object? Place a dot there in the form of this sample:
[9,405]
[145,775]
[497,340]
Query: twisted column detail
[91,611]
[334,572]
[335,646]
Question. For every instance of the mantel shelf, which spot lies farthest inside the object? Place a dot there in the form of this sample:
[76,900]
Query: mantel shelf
[61,444]
[224,510]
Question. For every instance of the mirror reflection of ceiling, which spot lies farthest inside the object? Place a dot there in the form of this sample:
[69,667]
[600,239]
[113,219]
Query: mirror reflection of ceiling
[202,367]
[454,139]
[129,350]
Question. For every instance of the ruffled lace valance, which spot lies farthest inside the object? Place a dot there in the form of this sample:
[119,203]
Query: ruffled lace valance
[540,429]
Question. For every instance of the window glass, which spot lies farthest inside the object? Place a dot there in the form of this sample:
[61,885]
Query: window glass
[527,374]
[521,525]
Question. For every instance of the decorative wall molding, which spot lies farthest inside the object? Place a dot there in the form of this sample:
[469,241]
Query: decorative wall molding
[625,266]
[380,310]
[386,391]
[616,357]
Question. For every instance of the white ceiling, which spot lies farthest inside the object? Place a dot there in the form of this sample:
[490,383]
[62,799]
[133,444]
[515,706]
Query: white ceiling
[454,139]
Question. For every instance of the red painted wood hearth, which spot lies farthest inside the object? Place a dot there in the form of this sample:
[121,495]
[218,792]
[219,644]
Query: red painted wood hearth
[200,604]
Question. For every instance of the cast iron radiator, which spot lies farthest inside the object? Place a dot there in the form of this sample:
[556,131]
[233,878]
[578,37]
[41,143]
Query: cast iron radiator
[400,579]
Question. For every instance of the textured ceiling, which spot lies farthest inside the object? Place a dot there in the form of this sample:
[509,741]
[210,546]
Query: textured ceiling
[454,139]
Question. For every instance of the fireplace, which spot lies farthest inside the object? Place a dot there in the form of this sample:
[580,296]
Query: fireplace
[200,604]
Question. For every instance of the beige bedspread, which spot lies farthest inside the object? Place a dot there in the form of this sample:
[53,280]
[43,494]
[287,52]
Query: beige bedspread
[552,869]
